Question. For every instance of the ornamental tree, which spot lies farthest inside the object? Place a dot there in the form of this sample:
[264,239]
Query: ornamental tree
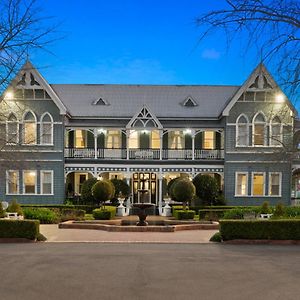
[86,191]
[184,191]
[103,190]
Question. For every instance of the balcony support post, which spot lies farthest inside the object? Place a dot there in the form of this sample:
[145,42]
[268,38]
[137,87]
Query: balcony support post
[193,144]
[127,144]
[95,142]
[160,144]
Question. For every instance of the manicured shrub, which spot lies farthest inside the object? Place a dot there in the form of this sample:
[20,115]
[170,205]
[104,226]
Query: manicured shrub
[28,229]
[15,207]
[240,213]
[103,190]
[265,208]
[86,192]
[88,208]
[44,215]
[207,189]
[282,229]
[211,214]
[122,189]
[106,213]
[279,210]
[170,187]
[184,191]
[184,214]
[216,238]
[2,213]
[292,211]
[72,214]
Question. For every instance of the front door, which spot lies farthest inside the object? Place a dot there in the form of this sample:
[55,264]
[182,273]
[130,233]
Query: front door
[144,188]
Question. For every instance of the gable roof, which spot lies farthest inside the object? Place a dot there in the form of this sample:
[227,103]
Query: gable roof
[30,76]
[260,79]
[164,101]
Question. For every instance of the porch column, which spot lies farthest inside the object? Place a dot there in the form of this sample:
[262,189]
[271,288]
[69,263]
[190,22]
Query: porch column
[127,144]
[160,144]
[95,142]
[193,144]
[160,193]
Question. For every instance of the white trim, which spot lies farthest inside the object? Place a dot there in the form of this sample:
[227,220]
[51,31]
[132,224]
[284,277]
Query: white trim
[236,184]
[280,184]
[18,182]
[42,123]
[29,122]
[264,183]
[237,130]
[23,178]
[42,179]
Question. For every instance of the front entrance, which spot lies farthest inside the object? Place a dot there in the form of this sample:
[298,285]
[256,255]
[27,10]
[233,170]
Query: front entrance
[144,188]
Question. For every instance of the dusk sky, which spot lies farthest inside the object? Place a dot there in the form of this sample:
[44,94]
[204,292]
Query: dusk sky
[144,42]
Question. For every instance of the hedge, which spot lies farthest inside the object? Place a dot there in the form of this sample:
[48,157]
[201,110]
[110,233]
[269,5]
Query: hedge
[44,215]
[88,208]
[288,229]
[184,214]
[106,213]
[72,214]
[211,214]
[28,229]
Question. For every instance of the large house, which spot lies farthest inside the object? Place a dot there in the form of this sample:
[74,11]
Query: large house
[55,136]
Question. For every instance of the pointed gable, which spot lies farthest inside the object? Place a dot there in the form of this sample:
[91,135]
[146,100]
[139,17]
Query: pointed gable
[30,84]
[259,87]
[144,118]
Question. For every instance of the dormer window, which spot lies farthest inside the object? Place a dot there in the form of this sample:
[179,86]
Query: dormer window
[189,102]
[100,101]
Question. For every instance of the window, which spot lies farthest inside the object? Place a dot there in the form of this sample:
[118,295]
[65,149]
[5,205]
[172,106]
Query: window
[258,184]
[176,140]
[46,129]
[242,131]
[133,141]
[276,132]
[12,182]
[209,140]
[80,138]
[259,130]
[29,129]
[113,139]
[155,139]
[275,184]
[29,182]
[241,184]
[12,130]
[47,182]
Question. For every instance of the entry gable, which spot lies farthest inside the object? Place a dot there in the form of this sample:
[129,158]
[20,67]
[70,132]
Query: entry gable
[259,81]
[144,118]
[31,84]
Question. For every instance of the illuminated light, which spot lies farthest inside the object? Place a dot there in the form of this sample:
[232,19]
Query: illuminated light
[32,173]
[101,130]
[279,98]
[99,178]
[9,95]
[188,131]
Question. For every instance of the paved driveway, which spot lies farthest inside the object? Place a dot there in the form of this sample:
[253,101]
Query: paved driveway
[54,234]
[148,271]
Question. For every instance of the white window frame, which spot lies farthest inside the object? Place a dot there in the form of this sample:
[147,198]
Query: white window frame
[237,130]
[18,182]
[271,141]
[252,184]
[23,128]
[18,130]
[280,183]
[42,129]
[42,179]
[259,123]
[236,185]
[23,177]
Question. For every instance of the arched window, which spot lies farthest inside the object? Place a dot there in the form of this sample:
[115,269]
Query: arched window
[12,130]
[46,129]
[29,128]
[242,131]
[259,130]
[276,132]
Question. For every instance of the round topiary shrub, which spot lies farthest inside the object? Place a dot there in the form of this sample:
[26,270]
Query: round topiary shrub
[184,191]
[279,210]
[86,191]
[103,190]
[207,189]
[15,207]
[170,187]
[122,189]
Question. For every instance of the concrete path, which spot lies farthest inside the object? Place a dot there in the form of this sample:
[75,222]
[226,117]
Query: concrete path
[54,234]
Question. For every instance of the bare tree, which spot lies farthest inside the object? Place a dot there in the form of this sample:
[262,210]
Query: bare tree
[22,29]
[272,27]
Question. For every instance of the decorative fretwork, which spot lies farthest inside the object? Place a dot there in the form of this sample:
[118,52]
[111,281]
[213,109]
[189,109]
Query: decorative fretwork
[260,82]
[144,119]
[28,81]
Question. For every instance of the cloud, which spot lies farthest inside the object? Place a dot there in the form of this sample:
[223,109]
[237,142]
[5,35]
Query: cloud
[210,54]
